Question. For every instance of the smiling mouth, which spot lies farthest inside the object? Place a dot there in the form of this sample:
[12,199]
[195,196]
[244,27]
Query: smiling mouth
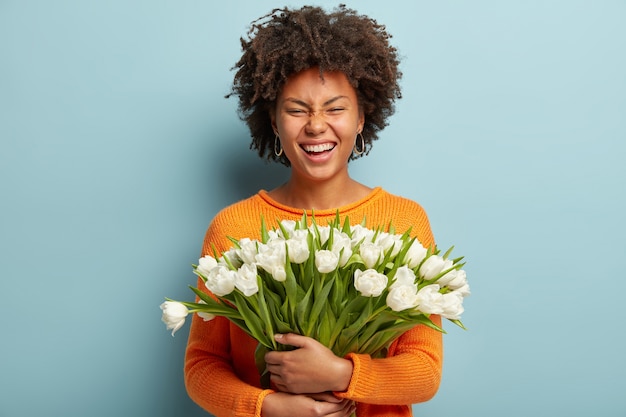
[317,149]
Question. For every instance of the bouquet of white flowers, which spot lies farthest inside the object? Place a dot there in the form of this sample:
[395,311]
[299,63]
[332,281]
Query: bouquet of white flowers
[351,288]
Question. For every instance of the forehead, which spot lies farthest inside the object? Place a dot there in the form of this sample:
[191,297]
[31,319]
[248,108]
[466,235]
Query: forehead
[310,85]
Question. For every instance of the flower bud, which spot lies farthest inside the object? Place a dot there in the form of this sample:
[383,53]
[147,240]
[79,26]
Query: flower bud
[174,314]
[370,283]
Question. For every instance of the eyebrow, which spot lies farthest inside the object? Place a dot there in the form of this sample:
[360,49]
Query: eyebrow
[304,104]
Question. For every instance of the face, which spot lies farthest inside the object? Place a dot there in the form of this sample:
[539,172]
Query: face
[317,121]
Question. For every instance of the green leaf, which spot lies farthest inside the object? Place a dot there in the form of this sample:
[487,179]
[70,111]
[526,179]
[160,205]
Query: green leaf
[374,326]
[348,335]
[331,239]
[458,323]
[265,237]
[259,360]
[448,252]
[303,221]
[282,228]
[346,225]
[291,289]
[303,310]
[253,321]
[273,305]
[264,314]
[325,325]
[337,298]
[235,242]
[321,300]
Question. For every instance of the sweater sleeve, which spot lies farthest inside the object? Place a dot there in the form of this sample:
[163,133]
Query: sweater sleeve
[210,378]
[411,372]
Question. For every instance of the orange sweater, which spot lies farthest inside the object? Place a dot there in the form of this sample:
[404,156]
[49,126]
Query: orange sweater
[220,373]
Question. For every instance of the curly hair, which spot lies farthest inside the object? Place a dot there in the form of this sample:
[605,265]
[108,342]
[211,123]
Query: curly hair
[287,41]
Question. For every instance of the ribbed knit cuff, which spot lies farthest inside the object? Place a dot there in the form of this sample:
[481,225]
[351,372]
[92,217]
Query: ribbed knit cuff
[259,401]
[356,368]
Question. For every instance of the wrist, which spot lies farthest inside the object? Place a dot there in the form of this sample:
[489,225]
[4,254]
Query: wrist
[344,371]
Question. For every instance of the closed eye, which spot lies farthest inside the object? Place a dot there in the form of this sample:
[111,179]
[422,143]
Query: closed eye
[296,111]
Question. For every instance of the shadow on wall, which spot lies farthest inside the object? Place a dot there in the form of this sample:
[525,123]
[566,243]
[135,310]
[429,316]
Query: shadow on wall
[229,171]
[241,171]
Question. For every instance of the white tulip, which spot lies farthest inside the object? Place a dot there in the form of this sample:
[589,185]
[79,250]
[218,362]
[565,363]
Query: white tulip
[272,257]
[324,232]
[298,250]
[430,300]
[246,280]
[342,247]
[449,277]
[432,266]
[389,242]
[371,254]
[326,261]
[279,273]
[205,264]
[454,279]
[402,297]
[289,226]
[416,254]
[204,315]
[221,280]
[464,290]
[403,276]
[370,283]
[248,250]
[174,314]
[452,304]
[361,234]
[233,257]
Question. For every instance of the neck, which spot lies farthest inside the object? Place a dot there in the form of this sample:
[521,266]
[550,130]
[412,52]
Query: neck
[320,195]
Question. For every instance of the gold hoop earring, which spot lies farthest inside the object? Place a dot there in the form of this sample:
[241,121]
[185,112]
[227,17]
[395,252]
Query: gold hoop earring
[358,150]
[278,152]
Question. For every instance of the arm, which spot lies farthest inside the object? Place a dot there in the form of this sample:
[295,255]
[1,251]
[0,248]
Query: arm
[209,376]
[288,405]
[213,384]
[311,368]
[410,374]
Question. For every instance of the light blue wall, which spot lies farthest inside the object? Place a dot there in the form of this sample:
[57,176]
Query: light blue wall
[117,148]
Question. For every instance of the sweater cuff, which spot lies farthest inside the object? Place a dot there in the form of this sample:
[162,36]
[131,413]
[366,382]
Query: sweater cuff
[259,401]
[356,368]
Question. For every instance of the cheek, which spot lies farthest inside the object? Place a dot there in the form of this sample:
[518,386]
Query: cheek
[288,125]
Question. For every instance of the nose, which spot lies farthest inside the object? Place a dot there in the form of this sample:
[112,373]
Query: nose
[316,124]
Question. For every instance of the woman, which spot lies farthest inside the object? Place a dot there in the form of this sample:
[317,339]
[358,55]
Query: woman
[315,88]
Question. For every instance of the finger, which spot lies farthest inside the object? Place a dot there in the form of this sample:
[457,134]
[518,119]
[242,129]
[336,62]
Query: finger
[335,409]
[272,369]
[350,408]
[327,397]
[273,358]
[277,381]
[291,339]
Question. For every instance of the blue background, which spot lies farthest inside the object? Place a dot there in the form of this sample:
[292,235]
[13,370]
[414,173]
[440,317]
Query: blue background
[117,149]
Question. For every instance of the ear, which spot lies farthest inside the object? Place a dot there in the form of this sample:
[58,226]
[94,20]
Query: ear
[361,121]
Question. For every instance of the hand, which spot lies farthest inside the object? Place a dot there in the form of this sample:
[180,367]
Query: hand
[311,368]
[288,405]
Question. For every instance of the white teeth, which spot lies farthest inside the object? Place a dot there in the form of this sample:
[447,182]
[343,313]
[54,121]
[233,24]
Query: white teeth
[318,148]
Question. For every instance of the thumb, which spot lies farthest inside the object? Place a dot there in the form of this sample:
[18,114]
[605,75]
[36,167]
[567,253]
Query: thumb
[291,339]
